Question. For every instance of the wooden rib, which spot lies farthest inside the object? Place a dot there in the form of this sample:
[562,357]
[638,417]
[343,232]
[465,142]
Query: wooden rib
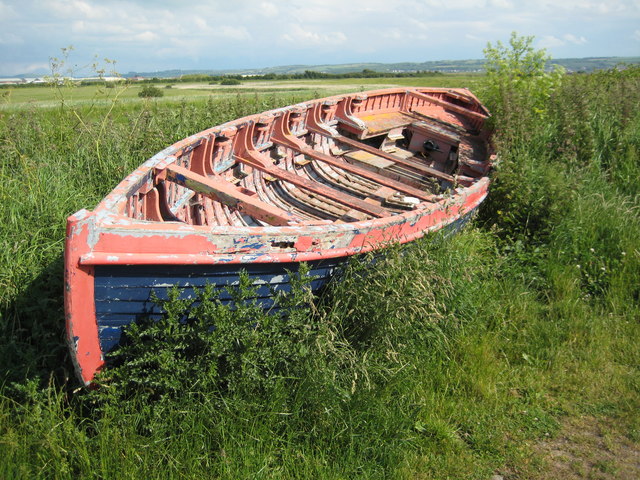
[220,217]
[229,195]
[327,204]
[274,196]
[331,209]
[247,154]
[448,105]
[295,196]
[151,206]
[200,161]
[337,177]
[282,137]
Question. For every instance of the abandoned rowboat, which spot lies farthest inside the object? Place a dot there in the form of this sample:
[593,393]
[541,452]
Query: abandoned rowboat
[315,182]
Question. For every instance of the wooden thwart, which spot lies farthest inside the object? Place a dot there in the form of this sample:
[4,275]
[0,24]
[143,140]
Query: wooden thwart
[222,191]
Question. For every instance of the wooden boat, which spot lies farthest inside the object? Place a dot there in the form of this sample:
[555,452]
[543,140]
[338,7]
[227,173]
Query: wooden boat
[315,182]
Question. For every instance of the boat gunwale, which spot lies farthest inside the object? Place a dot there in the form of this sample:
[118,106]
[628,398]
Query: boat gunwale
[477,192]
[109,212]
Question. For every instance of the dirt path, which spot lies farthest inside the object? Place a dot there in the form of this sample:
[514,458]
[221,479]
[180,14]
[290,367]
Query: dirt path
[591,448]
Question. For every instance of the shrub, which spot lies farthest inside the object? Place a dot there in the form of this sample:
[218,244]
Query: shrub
[230,81]
[218,347]
[516,74]
[150,91]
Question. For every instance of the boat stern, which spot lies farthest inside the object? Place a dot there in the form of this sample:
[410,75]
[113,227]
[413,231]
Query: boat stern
[82,327]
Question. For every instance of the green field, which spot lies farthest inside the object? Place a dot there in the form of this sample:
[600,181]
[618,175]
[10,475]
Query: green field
[49,96]
[461,357]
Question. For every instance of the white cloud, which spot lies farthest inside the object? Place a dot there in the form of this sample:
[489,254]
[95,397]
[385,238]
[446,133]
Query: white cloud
[7,12]
[201,23]
[301,37]
[419,24]
[396,34]
[99,28]
[549,41]
[601,7]
[32,67]
[8,38]
[232,33]
[570,38]
[243,33]
[145,37]
[268,9]
[77,8]
[501,4]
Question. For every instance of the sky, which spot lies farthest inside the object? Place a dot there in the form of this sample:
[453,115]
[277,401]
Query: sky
[147,36]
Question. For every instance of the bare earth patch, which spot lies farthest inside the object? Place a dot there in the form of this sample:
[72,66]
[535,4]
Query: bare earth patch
[592,448]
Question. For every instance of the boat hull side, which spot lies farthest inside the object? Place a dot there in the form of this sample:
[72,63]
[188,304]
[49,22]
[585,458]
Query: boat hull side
[122,294]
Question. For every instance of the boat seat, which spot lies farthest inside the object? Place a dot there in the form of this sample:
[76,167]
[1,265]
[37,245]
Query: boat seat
[368,160]
[384,122]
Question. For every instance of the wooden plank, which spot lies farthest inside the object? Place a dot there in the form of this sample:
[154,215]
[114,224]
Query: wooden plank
[360,156]
[246,153]
[449,105]
[382,177]
[423,169]
[324,190]
[383,122]
[235,197]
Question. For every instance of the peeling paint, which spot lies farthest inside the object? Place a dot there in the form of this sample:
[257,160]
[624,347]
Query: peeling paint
[169,212]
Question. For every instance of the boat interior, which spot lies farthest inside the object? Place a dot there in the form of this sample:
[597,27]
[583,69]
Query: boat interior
[341,159]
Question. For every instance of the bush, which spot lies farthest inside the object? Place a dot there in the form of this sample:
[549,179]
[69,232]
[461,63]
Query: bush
[150,91]
[230,81]
[517,75]
[219,348]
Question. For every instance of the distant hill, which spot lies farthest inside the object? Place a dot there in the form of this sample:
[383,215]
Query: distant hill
[446,66]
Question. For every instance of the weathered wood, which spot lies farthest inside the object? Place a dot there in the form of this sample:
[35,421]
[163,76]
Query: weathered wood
[282,137]
[423,169]
[448,105]
[247,154]
[235,197]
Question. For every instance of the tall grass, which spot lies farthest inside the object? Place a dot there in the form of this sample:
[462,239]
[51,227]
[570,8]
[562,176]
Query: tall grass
[445,359]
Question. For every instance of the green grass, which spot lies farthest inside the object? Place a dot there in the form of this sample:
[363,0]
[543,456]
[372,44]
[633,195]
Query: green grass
[47,96]
[448,359]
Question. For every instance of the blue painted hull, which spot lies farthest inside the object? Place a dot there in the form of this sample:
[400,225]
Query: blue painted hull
[123,293]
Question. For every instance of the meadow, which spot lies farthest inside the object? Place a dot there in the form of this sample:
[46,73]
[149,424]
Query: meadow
[17,98]
[456,357]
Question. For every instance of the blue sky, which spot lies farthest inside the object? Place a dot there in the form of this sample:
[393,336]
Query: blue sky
[145,35]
